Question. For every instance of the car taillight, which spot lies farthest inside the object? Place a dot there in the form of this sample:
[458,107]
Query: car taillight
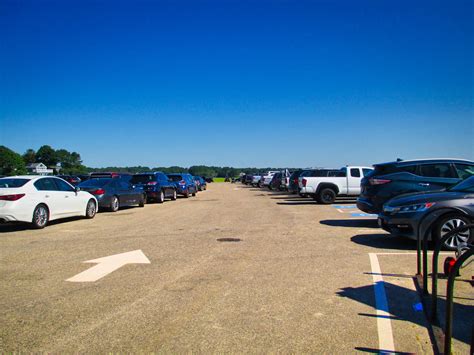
[182,182]
[152,183]
[98,192]
[303,182]
[374,181]
[295,180]
[11,197]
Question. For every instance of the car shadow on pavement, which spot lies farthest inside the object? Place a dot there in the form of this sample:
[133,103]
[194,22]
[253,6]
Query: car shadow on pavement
[351,223]
[400,303]
[384,241]
[19,227]
[297,203]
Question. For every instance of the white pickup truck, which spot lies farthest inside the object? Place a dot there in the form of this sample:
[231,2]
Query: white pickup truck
[267,178]
[346,182]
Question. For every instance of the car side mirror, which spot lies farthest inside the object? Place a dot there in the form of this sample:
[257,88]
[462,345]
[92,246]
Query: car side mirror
[77,189]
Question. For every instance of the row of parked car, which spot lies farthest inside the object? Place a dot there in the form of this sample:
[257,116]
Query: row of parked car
[40,199]
[409,197]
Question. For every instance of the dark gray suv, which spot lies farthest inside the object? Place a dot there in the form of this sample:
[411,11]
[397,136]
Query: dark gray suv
[392,179]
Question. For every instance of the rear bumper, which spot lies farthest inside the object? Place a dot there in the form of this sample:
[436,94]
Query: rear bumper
[367,205]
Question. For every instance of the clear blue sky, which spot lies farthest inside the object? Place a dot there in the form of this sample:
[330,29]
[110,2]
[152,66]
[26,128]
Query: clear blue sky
[239,83]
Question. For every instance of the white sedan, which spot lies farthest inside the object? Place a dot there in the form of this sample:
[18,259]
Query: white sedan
[40,199]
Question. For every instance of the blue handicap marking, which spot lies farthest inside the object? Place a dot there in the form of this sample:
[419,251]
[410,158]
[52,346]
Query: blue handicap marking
[363,215]
[345,207]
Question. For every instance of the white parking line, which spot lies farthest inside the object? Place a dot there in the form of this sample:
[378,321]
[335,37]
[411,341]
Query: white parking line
[384,324]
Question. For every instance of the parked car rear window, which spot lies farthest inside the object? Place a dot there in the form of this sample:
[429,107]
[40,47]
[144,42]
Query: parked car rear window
[175,177]
[436,170]
[393,168]
[95,183]
[46,184]
[355,172]
[141,179]
[367,172]
[464,171]
[9,183]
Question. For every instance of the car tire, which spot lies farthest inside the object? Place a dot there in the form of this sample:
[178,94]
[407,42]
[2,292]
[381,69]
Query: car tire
[40,217]
[186,195]
[161,197]
[114,204]
[326,196]
[174,196]
[195,192]
[142,201]
[91,209]
[446,224]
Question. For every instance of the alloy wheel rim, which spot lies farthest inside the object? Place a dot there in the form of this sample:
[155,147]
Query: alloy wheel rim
[115,203]
[41,216]
[91,209]
[457,238]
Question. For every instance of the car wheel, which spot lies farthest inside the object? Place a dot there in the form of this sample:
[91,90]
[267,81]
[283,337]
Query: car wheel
[91,209]
[194,193]
[40,217]
[446,224]
[173,198]
[186,194]
[114,204]
[326,196]
[161,197]
[142,201]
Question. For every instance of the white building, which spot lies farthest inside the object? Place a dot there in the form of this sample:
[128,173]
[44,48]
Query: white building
[38,169]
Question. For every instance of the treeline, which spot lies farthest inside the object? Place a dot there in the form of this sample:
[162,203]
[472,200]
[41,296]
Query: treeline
[70,163]
[61,160]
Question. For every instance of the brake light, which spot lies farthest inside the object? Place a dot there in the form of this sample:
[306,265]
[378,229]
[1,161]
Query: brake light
[11,197]
[152,183]
[98,192]
[373,181]
[182,182]
[303,182]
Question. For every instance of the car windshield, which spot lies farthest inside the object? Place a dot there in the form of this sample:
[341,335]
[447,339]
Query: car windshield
[95,183]
[464,186]
[9,183]
[142,179]
[175,177]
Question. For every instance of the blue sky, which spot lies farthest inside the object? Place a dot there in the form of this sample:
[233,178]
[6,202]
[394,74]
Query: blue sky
[238,83]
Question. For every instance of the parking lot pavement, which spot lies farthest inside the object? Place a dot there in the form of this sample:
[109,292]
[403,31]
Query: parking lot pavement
[301,279]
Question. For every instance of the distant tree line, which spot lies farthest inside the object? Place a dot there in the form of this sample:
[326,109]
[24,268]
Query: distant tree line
[70,163]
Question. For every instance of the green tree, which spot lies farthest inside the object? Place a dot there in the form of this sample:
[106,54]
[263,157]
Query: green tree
[29,156]
[11,163]
[47,156]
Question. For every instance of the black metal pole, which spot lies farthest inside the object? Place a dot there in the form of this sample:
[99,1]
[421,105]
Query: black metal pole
[425,262]
[448,334]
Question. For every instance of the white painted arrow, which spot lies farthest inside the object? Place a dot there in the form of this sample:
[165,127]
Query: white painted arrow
[109,264]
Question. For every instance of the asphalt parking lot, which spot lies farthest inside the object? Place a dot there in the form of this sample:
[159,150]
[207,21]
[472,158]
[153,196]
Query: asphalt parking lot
[235,269]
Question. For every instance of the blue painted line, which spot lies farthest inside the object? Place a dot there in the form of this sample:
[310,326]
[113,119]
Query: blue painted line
[345,207]
[363,215]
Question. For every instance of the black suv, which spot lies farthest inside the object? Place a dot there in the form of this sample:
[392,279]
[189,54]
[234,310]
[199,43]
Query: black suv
[156,185]
[392,179]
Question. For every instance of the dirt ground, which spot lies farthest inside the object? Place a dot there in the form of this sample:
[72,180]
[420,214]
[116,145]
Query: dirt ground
[301,279]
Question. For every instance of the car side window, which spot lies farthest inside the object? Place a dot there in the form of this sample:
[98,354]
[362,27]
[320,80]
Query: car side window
[46,184]
[355,172]
[124,185]
[436,170]
[464,170]
[63,186]
[366,171]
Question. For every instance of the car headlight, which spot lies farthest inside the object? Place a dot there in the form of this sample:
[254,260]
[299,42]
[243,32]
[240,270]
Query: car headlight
[421,207]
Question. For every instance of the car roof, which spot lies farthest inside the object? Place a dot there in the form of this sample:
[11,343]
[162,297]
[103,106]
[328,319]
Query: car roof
[427,161]
[29,177]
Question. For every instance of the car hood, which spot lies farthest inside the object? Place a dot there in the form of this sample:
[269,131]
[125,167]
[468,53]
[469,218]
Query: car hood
[415,198]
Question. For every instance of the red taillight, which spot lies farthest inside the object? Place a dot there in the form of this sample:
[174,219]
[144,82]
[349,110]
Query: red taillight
[11,197]
[373,181]
[152,183]
[295,180]
[303,182]
[98,192]
[182,182]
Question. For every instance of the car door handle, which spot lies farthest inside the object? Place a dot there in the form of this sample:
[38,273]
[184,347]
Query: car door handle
[66,196]
[423,184]
[46,196]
